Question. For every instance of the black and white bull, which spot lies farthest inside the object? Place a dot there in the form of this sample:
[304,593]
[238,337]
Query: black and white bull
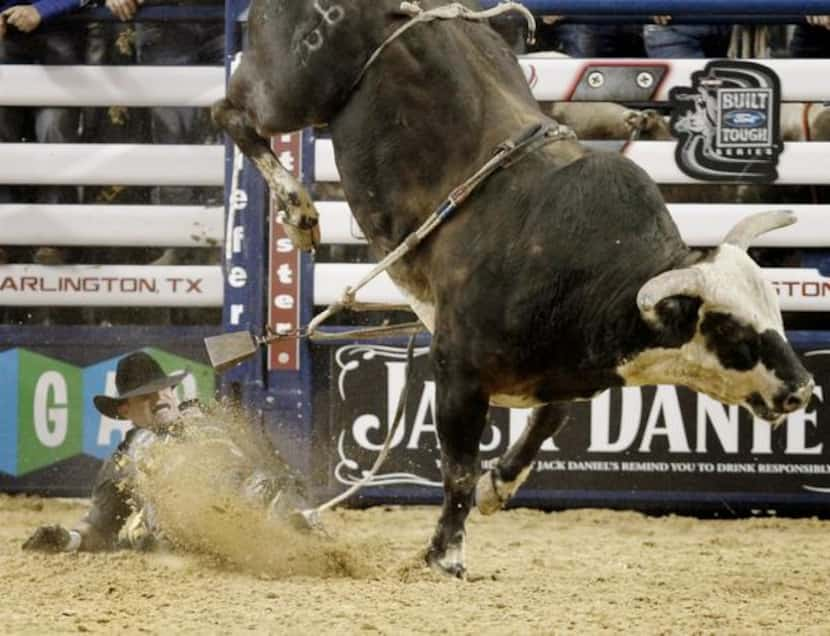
[561,276]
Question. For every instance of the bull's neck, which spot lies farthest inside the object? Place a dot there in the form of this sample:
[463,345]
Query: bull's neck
[624,324]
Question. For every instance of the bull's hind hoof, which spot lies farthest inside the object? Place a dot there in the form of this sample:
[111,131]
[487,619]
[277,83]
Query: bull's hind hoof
[493,493]
[488,499]
[443,564]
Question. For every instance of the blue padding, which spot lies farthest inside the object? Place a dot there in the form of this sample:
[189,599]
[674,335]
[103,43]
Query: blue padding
[9,364]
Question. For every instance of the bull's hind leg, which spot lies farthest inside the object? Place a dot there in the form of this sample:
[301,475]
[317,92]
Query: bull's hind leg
[302,219]
[462,413]
[496,486]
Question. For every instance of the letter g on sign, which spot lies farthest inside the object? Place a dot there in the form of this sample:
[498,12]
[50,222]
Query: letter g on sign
[51,417]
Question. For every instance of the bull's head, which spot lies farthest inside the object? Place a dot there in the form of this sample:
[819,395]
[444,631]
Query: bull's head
[734,349]
[307,54]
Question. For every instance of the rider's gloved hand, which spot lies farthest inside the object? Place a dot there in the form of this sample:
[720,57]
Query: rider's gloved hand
[49,539]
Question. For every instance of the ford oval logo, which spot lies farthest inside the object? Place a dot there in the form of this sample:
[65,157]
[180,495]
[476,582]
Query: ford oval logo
[745,118]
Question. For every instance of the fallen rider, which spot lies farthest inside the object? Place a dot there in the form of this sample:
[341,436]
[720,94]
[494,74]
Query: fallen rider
[124,505]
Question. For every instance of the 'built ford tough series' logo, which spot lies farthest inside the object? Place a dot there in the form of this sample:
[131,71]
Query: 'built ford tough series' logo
[727,123]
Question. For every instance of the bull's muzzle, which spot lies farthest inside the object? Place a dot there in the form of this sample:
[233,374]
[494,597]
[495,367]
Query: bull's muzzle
[795,397]
[791,398]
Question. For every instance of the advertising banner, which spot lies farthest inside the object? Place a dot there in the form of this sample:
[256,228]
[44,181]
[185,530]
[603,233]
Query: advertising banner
[659,444]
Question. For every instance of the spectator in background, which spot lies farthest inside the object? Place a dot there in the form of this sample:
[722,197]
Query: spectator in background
[177,43]
[180,43]
[513,28]
[664,40]
[26,17]
[812,39]
[28,35]
[590,40]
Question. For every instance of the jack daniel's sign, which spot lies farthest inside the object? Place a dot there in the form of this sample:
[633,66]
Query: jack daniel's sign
[650,439]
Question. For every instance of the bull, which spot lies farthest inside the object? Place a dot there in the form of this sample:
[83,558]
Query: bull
[562,275]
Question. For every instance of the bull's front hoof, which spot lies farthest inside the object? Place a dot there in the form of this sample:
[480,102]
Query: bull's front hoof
[304,234]
[488,499]
[444,564]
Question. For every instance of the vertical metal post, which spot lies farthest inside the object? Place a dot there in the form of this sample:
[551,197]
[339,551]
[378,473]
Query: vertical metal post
[244,258]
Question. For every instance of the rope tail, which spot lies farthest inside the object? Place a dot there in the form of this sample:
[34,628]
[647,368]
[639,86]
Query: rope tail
[313,514]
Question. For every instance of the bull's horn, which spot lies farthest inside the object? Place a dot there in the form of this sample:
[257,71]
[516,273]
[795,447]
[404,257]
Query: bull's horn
[748,229]
[675,282]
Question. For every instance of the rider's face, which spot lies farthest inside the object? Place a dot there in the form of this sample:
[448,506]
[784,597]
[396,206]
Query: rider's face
[153,411]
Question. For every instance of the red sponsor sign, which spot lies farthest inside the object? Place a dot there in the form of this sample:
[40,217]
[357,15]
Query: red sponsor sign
[284,267]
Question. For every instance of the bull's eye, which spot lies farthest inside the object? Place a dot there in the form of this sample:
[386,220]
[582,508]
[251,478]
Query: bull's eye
[744,355]
[725,329]
[737,346]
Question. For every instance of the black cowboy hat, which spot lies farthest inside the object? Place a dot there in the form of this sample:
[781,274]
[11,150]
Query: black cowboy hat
[136,374]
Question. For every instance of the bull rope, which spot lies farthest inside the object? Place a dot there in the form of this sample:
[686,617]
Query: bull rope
[312,515]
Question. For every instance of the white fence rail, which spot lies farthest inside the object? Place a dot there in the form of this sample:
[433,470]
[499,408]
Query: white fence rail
[800,163]
[699,224]
[705,225]
[799,289]
[33,85]
[554,78]
[113,225]
[112,164]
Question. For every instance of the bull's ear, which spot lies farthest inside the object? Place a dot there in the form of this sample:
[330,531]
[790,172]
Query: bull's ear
[677,317]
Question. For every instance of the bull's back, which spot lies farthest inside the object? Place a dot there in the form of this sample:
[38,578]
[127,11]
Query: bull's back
[588,217]
[606,197]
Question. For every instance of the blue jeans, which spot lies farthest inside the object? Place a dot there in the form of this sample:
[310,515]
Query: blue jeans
[810,41]
[513,28]
[599,40]
[46,45]
[180,44]
[686,41]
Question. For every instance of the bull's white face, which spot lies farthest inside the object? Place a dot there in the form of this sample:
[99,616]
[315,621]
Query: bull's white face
[738,353]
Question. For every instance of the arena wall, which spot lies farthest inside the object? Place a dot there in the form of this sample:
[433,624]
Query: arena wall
[329,405]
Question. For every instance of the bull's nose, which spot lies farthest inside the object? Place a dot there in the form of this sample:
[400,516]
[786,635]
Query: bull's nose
[799,397]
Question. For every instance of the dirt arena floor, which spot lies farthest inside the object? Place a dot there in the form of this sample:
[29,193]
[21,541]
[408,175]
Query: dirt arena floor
[585,572]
